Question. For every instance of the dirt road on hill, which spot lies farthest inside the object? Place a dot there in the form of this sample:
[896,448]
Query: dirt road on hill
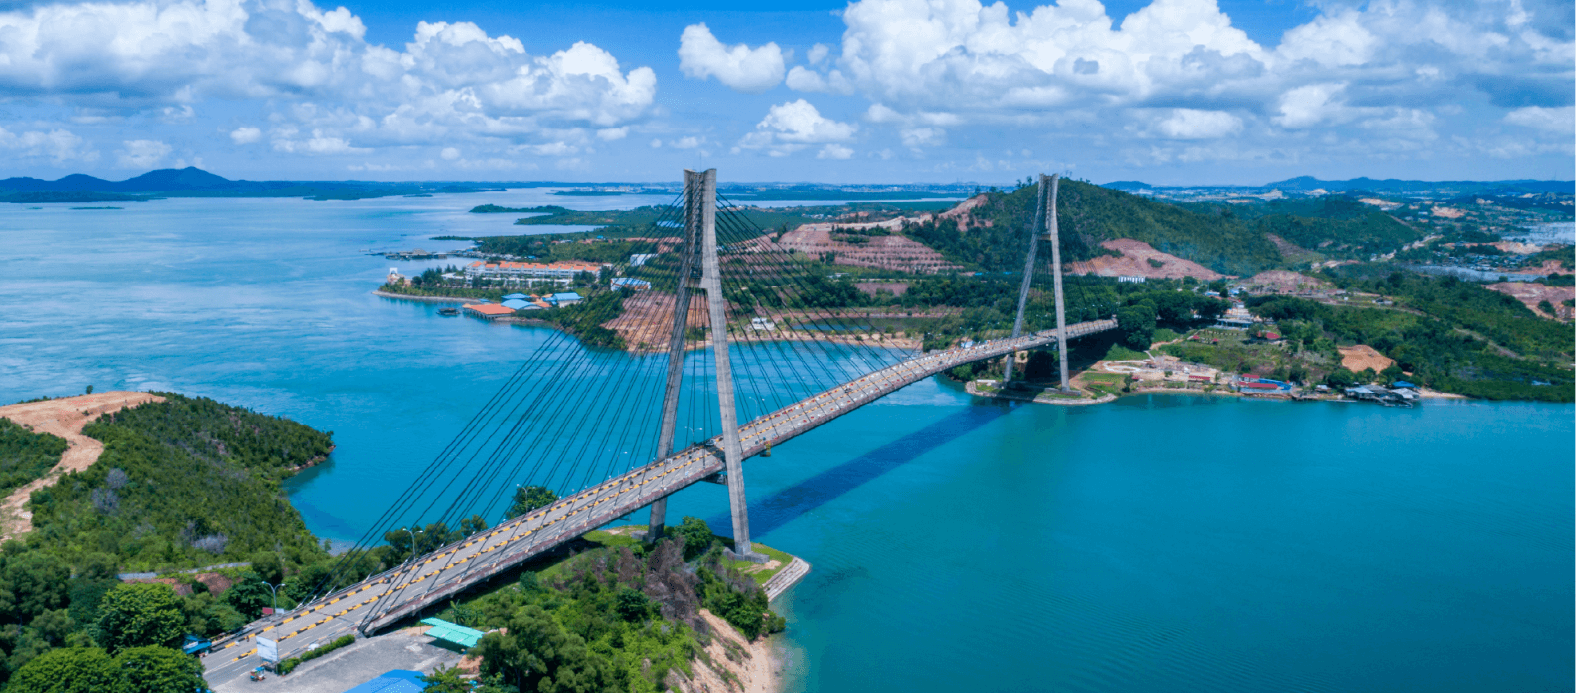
[63,417]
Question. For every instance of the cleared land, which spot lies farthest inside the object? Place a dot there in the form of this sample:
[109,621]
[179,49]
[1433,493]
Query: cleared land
[1139,259]
[63,417]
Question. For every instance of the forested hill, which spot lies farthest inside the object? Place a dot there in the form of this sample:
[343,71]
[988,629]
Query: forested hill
[1088,214]
[181,483]
[1228,238]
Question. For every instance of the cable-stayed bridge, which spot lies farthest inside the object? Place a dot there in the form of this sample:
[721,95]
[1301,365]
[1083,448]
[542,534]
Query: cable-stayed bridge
[581,418]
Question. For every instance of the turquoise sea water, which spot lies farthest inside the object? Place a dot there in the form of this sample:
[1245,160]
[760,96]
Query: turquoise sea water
[1153,544]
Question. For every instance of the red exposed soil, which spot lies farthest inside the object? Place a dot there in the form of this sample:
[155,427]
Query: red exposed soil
[894,251]
[1530,294]
[1135,263]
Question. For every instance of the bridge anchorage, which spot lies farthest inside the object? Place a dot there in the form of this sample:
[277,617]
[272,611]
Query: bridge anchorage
[579,414]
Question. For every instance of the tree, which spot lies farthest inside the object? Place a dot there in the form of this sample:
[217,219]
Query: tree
[537,654]
[71,670]
[1546,307]
[1136,324]
[134,615]
[33,583]
[268,567]
[1340,379]
[158,670]
[249,595]
[472,525]
[696,534]
[448,680]
[528,498]
[139,615]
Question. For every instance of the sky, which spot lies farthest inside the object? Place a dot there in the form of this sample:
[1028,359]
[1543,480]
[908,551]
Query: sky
[1169,92]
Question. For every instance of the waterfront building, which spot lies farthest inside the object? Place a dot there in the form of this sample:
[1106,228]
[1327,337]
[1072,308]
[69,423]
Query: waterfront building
[515,304]
[517,272]
[487,311]
[566,298]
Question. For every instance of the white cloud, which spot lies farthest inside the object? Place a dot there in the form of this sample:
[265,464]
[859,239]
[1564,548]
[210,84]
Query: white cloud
[920,137]
[452,80]
[817,53]
[58,145]
[739,67]
[286,140]
[612,134]
[835,151]
[1310,105]
[801,79]
[449,153]
[1388,71]
[1190,124]
[792,126]
[141,153]
[690,142]
[1556,120]
[245,135]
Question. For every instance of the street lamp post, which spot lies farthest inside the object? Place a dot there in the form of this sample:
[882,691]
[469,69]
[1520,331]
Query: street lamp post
[274,590]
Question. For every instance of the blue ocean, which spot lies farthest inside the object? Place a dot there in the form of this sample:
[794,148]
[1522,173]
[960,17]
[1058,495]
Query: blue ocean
[1164,543]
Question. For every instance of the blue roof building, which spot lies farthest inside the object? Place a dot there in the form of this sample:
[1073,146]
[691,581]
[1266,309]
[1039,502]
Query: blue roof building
[515,304]
[516,297]
[566,298]
[393,681]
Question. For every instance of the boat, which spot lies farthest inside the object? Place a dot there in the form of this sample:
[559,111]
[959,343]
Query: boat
[449,312]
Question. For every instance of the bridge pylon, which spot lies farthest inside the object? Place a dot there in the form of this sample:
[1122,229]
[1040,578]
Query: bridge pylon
[699,269]
[1044,228]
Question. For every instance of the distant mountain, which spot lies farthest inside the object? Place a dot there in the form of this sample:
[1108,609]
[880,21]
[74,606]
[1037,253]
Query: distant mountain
[170,179]
[1128,185]
[195,182]
[1391,185]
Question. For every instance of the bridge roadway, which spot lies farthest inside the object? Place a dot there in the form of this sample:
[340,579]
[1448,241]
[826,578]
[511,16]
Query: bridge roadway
[403,591]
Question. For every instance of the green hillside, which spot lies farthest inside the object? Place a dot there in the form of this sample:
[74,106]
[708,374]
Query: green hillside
[1088,214]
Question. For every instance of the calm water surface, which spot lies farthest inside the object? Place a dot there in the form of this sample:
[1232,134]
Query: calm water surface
[1154,544]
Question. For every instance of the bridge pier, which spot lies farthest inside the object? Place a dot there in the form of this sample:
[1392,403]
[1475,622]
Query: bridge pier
[688,266]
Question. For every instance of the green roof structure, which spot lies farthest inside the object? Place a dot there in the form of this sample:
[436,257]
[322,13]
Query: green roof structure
[449,632]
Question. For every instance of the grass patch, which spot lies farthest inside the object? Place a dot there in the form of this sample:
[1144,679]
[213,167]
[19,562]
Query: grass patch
[1122,353]
[1104,378]
[1166,334]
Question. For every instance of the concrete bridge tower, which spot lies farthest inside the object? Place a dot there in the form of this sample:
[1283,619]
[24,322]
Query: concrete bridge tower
[1044,227]
[699,269]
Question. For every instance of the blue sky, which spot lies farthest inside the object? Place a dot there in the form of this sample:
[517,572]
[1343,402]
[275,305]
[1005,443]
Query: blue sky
[874,91]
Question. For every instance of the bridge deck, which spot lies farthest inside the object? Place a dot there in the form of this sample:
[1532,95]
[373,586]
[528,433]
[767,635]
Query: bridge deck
[386,598]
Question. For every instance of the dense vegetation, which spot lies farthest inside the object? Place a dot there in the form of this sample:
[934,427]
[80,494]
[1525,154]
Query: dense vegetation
[25,455]
[183,482]
[615,618]
[1467,339]
[1088,214]
[1336,225]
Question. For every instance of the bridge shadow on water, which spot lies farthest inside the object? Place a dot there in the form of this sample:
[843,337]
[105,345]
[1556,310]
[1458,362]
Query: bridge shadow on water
[780,508]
